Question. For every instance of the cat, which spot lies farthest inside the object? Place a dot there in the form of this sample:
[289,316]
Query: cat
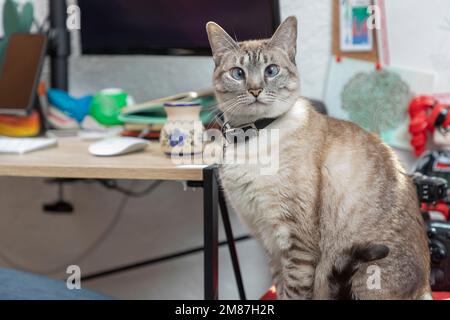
[340,210]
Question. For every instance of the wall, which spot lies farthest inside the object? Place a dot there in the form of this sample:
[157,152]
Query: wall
[41,242]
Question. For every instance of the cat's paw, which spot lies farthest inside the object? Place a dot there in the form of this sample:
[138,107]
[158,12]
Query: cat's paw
[283,238]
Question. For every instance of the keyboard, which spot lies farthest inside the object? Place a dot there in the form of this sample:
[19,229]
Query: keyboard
[24,145]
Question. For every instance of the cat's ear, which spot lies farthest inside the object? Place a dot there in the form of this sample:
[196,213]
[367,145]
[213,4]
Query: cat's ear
[285,37]
[219,40]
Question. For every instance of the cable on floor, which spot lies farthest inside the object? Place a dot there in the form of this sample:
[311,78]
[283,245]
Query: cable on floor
[127,193]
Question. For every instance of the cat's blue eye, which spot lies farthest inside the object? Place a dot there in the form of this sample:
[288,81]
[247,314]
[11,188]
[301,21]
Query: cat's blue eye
[271,71]
[237,73]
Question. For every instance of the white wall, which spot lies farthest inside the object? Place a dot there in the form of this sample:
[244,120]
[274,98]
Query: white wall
[41,242]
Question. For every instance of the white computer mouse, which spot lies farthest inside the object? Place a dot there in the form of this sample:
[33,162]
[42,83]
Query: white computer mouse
[117,146]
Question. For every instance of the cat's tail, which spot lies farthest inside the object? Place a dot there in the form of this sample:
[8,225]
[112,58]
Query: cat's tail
[340,278]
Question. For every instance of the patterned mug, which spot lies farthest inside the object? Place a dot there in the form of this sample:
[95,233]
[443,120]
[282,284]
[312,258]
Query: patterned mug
[182,134]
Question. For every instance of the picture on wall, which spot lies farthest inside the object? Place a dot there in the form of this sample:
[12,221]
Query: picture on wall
[354,34]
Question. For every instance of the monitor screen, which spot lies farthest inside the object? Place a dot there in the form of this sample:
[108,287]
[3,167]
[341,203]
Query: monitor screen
[170,26]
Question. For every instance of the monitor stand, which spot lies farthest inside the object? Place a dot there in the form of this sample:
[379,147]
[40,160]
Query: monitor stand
[59,48]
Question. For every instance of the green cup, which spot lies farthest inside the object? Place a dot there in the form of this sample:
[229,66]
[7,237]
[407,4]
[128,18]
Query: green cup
[107,105]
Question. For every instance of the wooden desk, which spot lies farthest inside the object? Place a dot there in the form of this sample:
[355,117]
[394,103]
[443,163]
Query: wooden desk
[71,159]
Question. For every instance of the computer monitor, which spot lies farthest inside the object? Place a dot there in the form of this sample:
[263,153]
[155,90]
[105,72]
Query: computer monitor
[20,73]
[170,27]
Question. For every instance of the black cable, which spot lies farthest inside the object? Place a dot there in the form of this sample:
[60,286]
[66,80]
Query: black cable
[109,184]
[62,267]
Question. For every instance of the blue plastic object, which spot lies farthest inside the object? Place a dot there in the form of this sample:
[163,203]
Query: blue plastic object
[17,285]
[73,107]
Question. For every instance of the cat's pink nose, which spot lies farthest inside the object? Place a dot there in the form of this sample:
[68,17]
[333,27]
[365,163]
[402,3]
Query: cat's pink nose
[255,92]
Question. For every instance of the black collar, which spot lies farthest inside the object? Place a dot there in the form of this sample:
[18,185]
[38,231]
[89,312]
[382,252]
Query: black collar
[242,132]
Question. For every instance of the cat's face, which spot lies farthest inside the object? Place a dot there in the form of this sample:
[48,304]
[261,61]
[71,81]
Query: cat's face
[255,79]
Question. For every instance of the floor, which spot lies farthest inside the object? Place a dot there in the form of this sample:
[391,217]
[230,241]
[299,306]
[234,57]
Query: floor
[108,229]
[182,278]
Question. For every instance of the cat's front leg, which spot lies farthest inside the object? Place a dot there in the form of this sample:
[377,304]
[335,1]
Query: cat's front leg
[297,265]
[276,272]
[297,280]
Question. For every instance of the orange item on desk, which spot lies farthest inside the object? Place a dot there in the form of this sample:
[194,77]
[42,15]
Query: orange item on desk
[20,126]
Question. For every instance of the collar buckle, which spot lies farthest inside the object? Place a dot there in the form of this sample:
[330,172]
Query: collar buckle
[233,133]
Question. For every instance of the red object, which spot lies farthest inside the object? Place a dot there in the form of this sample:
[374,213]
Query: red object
[441,207]
[152,135]
[441,165]
[378,66]
[338,59]
[42,89]
[441,295]
[424,111]
[272,295]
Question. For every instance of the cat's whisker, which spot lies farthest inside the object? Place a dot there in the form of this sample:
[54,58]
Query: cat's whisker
[214,108]
[229,111]
[233,110]
[274,97]
[229,108]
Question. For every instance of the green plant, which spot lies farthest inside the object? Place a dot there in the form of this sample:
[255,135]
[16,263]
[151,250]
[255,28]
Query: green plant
[15,21]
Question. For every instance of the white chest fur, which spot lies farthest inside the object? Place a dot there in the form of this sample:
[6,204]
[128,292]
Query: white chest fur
[252,174]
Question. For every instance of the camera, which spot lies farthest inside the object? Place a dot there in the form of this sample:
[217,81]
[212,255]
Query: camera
[431,190]
[439,243]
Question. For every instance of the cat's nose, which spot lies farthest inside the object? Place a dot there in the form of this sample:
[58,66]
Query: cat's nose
[255,92]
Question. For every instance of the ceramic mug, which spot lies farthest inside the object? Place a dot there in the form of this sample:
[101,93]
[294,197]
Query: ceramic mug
[182,134]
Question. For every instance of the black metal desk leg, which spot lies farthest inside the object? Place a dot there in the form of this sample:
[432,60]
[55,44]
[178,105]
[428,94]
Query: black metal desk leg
[210,232]
[231,243]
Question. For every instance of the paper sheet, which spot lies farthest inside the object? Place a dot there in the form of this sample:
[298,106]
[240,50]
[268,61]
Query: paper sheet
[416,34]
